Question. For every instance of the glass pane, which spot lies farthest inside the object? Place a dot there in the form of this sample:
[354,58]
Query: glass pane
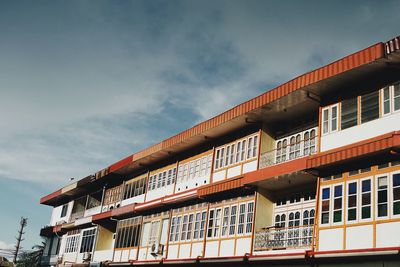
[366,212]
[352,201]
[382,182]
[338,191]
[337,203]
[396,193]
[325,193]
[382,196]
[366,185]
[337,216]
[369,107]
[353,188]
[396,179]
[334,119]
[325,205]
[349,113]
[382,210]
[325,218]
[396,208]
[366,199]
[396,96]
[352,214]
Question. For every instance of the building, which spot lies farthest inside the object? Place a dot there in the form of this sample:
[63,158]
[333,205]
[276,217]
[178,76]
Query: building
[306,174]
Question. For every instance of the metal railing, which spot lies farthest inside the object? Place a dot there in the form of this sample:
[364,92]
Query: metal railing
[282,238]
[289,152]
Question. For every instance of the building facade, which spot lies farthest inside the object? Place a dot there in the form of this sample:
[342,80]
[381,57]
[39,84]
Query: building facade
[306,174]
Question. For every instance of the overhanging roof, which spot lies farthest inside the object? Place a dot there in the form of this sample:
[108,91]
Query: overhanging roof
[292,96]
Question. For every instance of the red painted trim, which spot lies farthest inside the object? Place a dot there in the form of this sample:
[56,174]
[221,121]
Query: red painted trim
[353,250]
[50,196]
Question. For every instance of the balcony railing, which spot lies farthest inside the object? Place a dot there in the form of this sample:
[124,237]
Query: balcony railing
[283,238]
[288,150]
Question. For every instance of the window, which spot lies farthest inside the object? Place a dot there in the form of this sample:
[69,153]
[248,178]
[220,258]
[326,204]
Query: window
[184,227]
[249,147]
[128,233]
[190,227]
[64,210]
[172,232]
[325,205]
[292,147]
[87,240]
[210,223]
[203,223]
[232,155]
[249,220]
[232,223]
[330,119]
[391,98]
[177,228]
[225,222]
[349,113]
[162,179]
[134,188]
[337,204]
[308,217]
[382,196]
[280,220]
[217,224]
[369,107]
[396,193]
[242,212]
[365,199]
[71,244]
[196,225]
[352,201]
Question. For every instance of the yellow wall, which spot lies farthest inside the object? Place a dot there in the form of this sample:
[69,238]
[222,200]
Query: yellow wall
[264,212]
[104,239]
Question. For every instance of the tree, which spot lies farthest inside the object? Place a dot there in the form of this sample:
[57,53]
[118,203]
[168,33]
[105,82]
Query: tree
[32,258]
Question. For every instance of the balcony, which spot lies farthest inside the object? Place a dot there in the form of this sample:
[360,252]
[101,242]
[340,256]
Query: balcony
[276,238]
[295,146]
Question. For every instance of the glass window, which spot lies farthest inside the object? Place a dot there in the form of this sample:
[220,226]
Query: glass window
[396,194]
[382,196]
[225,222]
[217,224]
[64,210]
[177,228]
[366,199]
[249,220]
[210,223]
[172,232]
[197,226]
[352,202]
[325,121]
[386,100]
[369,107]
[184,227]
[232,223]
[334,121]
[242,211]
[337,203]
[349,113]
[396,96]
[87,240]
[203,223]
[190,227]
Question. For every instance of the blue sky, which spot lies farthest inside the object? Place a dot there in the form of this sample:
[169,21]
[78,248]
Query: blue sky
[85,83]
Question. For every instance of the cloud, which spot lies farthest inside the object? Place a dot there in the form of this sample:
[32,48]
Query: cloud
[82,88]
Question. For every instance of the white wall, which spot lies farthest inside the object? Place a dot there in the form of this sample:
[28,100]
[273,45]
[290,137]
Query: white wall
[160,192]
[361,132]
[56,214]
[331,239]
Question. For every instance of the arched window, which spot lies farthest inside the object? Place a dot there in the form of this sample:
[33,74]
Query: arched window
[297,219]
[278,152]
[305,217]
[297,146]
[284,145]
[292,147]
[312,142]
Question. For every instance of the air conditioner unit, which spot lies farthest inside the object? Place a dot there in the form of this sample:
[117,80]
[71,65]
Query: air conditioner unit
[86,256]
[157,249]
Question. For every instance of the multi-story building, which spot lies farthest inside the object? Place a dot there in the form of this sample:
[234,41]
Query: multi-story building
[307,174]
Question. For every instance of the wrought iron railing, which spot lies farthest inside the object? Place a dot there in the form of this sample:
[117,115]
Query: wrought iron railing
[282,238]
[289,152]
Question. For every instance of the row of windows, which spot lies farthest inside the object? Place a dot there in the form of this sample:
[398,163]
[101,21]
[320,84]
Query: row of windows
[71,244]
[196,168]
[188,227]
[295,199]
[135,188]
[128,233]
[230,220]
[294,219]
[295,146]
[351,114]
[359,199]
[239,151]
[162,179]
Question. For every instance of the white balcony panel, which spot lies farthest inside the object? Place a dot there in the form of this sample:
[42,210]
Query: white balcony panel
[243,246]
[250,166]
[133,254]
[70,257]
[173,251]
[331,239]
[142,253]
[137,199]
[212,248]
[102,255]
[83,221]
[234,171]
[359,237]
[92,211]
[184,251]
[388,234]
[117,255]
[125,255]
[219,176]
[160,192]
[197,250]
[227,248]
[361,132]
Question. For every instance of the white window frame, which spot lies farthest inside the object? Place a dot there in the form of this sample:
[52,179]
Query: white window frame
[391,195]
[388,189]
[329,119]
[372,200]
